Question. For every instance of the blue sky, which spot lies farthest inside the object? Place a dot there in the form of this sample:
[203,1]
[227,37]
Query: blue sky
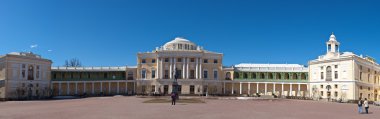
[112,32]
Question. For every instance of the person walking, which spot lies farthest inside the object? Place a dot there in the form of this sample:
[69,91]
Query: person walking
[366,106]
[360,105]
[173,96]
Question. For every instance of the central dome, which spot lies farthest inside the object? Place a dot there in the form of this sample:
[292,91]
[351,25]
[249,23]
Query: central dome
[180,43]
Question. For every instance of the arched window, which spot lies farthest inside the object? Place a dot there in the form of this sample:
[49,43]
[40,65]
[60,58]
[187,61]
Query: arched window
[236,75]
[30,72]
[270,76]
[303,76]
[262,76]
[328,74]
[245,75]
[253,75]
[228,76]
[278,76]
[286,76]
[295,76]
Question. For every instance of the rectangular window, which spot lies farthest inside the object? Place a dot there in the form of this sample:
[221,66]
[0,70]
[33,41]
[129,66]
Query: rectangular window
[205,76]
[179,74]
[105,75]
[321,86]
[143,74]
[321,67]
[360,75]
[336,74]
[205,61]
[192,74]
[215,74]
[322,76]
[215,61]
[336,94]
[166,59]
[192,89]
[369,75]
[192,59]
[179,59]
[153,60]
[143,61]
[166,76]
[153,88]
[336,66]
[321,93]
[336,86]
[153,74]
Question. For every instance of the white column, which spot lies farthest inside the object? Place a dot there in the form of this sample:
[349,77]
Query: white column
[232,87]
[187,68]
[291,90]
[93,92]
[183,68]
[257,87]
[224,87]
[174,66]
[171,68]
[156,88]
[76,87]
[161,71]
[196,68]
[118,87]
[299,90]
[240,88]
[59,88]
[282,89]
[109,87]
[249,88]
[274,88]
[266,89]
[68,89]
[101,87]
[200,69]
[157,69]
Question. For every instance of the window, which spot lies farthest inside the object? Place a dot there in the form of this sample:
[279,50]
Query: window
[369,75]
[328,73]
[361,67]
[369,88]
[361,87]
[215,74]
[329,47]
[205,74]
[205,61]
[245,75]
[179,74]
[262,76]
[166,76]
[336,94]
[143,61]
[215,61]
[153,88]
[38,72]
[321,93]
[360,75]
[179,46]
[105,75]
[54,76]
[192,74]
[179,59]
[192,59]
[153,74]
[166,59]
[321,86]
[254,75]
[336,66]
[336,74]
[321,67]
[336,86]
[30,72]
[295,76]
[153,60]
[228,76]
[143,73]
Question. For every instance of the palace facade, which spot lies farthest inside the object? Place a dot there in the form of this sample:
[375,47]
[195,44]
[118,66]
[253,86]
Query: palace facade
[334,75]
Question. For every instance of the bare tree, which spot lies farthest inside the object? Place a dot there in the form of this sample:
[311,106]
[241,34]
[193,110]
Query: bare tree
[73,63]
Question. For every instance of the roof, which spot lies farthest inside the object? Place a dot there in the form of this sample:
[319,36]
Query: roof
[248,67]
[123,68]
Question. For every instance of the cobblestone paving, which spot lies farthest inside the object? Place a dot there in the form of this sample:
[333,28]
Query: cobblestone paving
[133,108]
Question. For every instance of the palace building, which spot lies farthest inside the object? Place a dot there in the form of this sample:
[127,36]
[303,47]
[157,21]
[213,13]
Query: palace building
[334,75]
[344,75]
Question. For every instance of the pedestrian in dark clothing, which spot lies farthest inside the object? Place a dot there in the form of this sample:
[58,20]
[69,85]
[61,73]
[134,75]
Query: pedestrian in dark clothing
[360,105]
[173,96]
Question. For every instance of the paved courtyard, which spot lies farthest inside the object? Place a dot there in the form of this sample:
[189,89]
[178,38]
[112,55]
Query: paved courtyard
[134,108]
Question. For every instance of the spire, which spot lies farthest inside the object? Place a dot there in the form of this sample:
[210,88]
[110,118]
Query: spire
[332,37]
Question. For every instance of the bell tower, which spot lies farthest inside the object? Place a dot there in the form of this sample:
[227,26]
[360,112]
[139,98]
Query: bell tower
[332,46]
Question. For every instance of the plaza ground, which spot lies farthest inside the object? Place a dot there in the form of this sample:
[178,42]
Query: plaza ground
[121,107]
